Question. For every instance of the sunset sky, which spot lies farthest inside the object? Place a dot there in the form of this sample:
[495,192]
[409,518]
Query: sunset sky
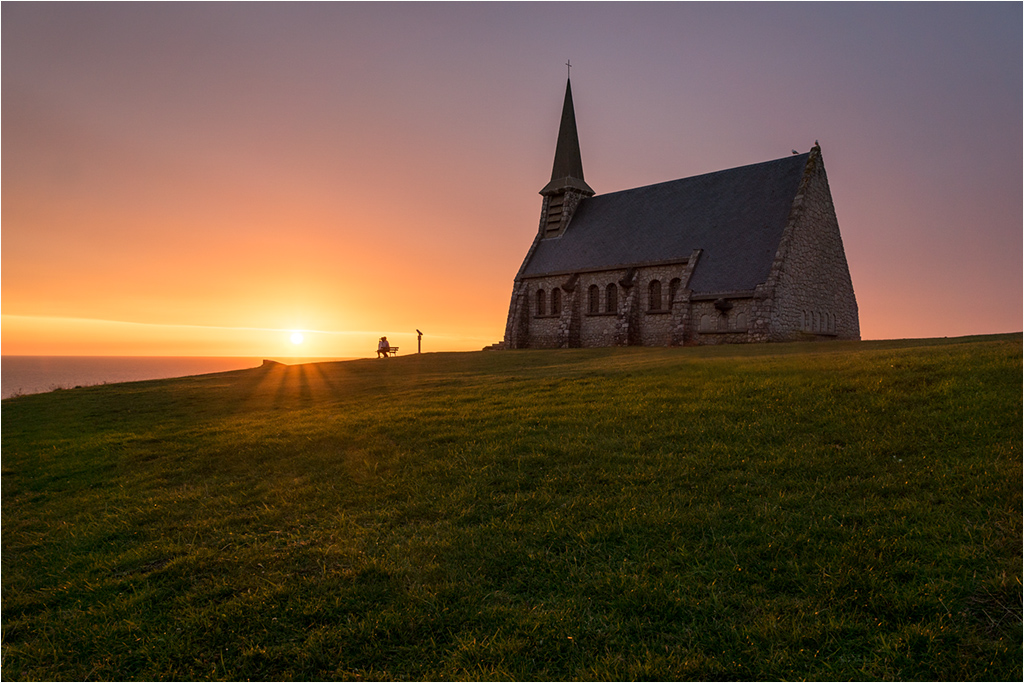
[205,179]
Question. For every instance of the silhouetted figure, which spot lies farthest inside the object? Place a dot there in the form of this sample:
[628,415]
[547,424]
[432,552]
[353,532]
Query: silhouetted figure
[383,348]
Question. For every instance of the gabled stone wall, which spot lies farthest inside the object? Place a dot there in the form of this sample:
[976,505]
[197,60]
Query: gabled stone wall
[809,291]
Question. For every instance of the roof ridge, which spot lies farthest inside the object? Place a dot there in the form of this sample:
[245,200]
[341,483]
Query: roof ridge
[710,173]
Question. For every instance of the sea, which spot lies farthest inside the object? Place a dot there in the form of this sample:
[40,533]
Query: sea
[38,374]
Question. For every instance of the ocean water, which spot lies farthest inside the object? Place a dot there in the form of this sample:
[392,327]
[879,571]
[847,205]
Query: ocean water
[37,374]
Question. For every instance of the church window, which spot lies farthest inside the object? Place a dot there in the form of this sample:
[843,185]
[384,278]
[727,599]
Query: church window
[705,323]
[541,300]
[673,289]
[594,302]
[654,292]
[556,301]
[611,298]
[741,322]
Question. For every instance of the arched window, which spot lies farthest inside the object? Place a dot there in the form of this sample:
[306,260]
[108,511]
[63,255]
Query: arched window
[705,323]
[594,302]
[556,301]
[611,298]
[654,295]
[741,322]
[673,289]
[541,301]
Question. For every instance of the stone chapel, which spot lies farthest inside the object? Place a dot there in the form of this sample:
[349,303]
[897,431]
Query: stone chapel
[749,254]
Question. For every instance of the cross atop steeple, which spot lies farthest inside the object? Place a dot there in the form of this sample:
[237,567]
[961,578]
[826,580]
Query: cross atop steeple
[568,68]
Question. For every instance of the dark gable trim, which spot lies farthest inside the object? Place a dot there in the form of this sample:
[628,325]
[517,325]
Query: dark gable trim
[711,296]
[624,266]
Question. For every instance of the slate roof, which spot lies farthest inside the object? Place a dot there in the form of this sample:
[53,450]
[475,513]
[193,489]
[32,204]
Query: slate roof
[735,216]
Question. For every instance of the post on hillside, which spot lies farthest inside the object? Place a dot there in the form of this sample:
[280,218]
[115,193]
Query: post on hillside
[419,341]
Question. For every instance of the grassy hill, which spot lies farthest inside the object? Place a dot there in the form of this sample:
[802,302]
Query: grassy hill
[823,511]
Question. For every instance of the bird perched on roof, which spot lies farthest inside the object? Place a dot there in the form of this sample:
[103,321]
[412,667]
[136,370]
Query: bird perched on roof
[795,152]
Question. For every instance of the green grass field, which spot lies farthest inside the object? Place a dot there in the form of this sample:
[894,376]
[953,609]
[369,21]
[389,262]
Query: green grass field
[796,511]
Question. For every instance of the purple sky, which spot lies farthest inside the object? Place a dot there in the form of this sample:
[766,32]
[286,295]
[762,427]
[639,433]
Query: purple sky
[355,169]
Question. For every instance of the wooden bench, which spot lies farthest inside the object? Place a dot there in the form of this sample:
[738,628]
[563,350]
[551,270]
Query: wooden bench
[393,351]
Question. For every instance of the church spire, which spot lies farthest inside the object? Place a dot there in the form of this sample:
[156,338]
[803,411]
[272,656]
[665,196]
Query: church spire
[567,171]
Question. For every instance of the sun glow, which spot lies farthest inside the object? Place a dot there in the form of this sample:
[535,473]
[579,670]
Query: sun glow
[297,338]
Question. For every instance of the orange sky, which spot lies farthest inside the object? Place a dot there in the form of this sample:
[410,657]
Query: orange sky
[204,179]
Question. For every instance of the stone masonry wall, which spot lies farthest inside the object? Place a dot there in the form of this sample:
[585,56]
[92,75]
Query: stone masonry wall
[656,326]
[813,296]
[632,320]
[711,325]
[517,328]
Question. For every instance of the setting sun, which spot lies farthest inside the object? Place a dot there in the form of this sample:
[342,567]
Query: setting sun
[297,337]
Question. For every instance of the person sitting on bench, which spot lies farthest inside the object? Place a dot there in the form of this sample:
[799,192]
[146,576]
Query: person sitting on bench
[383,347]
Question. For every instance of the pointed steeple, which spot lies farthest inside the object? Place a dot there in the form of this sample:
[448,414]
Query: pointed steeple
[567,171]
